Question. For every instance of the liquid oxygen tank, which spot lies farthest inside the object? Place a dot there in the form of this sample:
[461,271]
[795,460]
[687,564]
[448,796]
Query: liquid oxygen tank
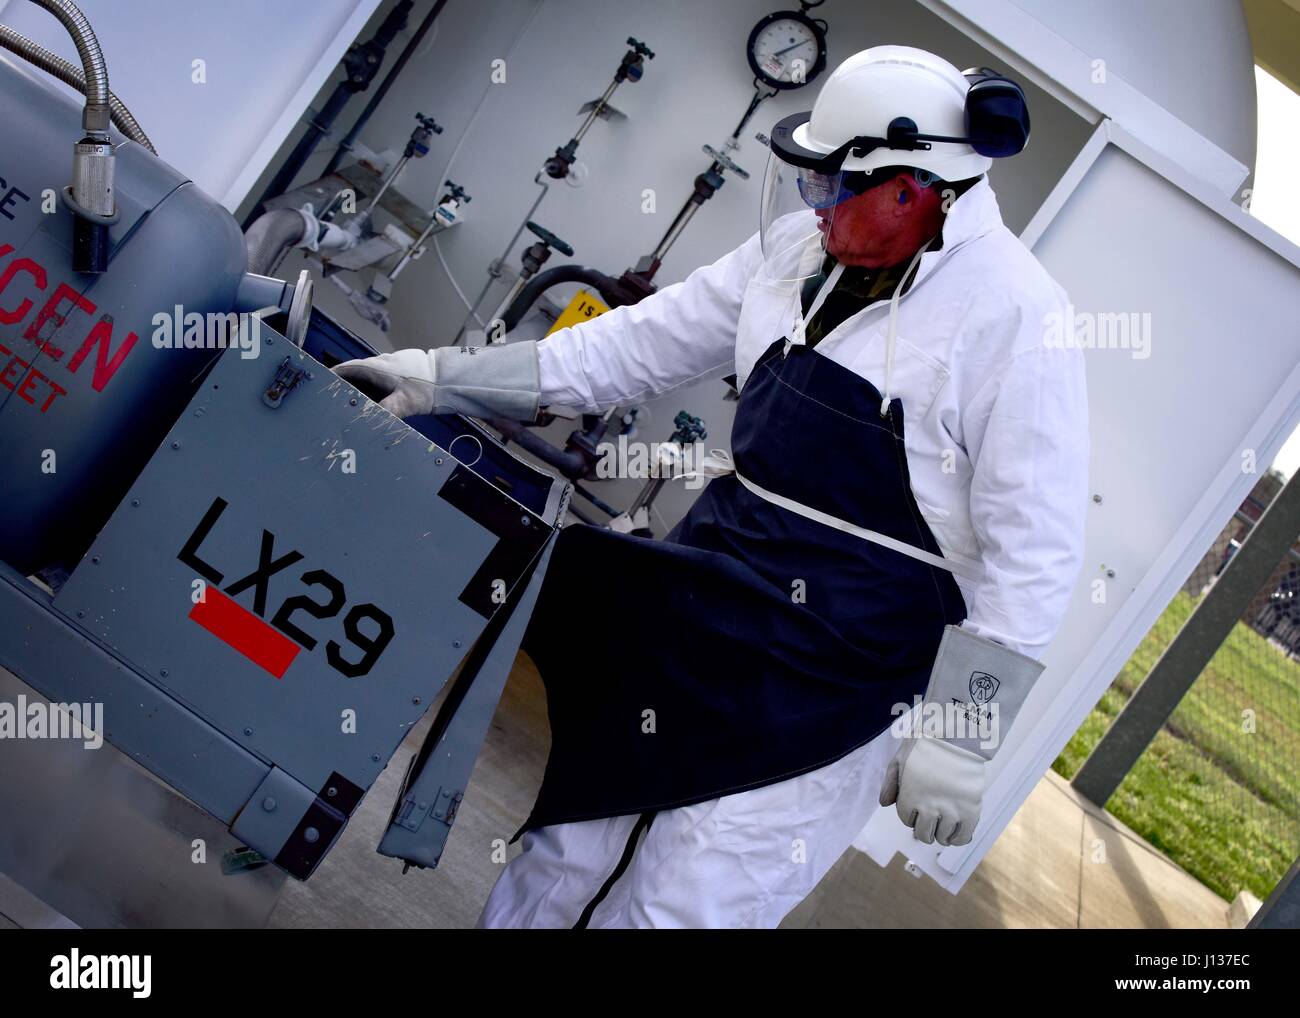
[85,394]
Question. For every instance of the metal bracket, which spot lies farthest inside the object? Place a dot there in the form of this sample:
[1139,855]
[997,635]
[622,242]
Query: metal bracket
[286,378]
[412,813]
[603,110]
[447,804]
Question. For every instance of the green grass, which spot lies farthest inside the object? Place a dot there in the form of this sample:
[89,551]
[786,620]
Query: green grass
[1220,800]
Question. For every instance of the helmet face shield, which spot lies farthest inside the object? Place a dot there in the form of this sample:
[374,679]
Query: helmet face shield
[798,211]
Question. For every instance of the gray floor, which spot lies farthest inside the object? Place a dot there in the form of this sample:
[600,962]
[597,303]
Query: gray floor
[1061,864]
[356,887]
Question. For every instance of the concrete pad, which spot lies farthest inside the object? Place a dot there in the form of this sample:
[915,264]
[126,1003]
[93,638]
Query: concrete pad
[1128,884]
[1060,864]
[1041,874]
[355,887]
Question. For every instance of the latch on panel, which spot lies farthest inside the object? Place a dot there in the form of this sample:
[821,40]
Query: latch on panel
[286,377]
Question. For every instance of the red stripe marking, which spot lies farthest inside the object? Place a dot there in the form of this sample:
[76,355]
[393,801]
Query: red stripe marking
[236,626]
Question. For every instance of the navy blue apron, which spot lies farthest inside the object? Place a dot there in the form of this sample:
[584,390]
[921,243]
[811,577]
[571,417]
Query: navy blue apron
[754,644]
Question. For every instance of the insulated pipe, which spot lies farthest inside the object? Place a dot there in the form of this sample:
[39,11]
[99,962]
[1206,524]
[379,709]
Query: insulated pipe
[569,462]
[360,64]
[345,146]
[608,287]
[69,74]
[271,235]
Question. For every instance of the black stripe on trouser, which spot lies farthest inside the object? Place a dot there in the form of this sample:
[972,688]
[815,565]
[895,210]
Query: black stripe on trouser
[642,823]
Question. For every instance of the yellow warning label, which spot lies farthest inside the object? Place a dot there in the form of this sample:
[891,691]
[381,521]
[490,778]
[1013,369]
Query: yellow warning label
[583,306]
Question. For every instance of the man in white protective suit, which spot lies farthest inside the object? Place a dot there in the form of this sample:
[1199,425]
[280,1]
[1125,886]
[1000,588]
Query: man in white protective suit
[898,528]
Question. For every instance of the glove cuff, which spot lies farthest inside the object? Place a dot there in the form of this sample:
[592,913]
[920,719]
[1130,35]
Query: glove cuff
[502,380]
[977,688]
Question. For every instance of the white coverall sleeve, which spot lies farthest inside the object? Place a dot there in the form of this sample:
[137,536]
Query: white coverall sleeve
[671,338]
[1028,494]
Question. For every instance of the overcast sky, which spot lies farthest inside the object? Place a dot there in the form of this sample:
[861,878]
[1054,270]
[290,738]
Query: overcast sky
[1273,200]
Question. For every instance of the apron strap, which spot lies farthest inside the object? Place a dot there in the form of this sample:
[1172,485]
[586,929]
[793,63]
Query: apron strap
[892,332]
[799,333]
[718,464]
[965,569]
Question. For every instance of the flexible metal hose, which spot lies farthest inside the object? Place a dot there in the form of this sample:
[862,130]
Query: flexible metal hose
[83,36]
[70,74]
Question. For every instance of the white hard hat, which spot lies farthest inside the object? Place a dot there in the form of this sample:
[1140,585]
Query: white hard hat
[871,90]
[888,106]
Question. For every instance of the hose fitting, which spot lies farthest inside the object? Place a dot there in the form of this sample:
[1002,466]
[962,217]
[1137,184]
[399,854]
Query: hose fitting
[91,193]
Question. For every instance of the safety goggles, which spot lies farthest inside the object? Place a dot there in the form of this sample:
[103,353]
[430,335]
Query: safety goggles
[822,190]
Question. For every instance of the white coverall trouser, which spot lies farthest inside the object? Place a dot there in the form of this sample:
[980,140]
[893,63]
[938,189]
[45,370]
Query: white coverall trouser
[742,860]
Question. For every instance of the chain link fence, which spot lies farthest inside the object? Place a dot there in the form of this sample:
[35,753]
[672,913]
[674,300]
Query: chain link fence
[1218,789]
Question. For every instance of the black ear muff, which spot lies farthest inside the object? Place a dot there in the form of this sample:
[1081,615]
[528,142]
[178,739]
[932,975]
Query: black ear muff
[997,115]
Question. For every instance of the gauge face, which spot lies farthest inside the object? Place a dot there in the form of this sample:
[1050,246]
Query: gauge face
[787,50]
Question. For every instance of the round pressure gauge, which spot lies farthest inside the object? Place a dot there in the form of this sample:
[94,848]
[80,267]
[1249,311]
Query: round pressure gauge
[787,49]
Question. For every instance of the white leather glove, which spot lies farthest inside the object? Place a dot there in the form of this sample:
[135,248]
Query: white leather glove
[939,789]
[937,780]
[501,380]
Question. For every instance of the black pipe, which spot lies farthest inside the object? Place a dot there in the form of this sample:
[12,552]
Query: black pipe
[361,64]
[570,463]
[609,288]
[345,146]
[595,500]
[582,517]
